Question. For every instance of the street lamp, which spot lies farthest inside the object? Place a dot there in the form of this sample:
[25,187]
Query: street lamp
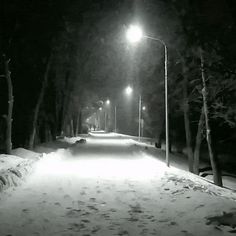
[115,120]
[107,102]
[134,35]
[128,90]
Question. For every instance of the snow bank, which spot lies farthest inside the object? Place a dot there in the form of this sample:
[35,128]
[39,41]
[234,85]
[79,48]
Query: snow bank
[14,168]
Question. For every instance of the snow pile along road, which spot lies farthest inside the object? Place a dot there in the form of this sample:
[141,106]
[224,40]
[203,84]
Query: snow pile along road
[14,168]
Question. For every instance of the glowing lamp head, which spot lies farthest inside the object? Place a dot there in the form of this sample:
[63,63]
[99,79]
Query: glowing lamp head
[134,34]
[144,108]
[108,102]
[128,90]
[100,108]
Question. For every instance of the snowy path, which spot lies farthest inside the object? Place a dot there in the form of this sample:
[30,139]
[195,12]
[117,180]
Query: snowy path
[109,187]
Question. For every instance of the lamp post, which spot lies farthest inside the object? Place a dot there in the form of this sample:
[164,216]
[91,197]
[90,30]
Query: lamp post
[115,120]
[134,35]
[106,114]
[142,120]
[139,116]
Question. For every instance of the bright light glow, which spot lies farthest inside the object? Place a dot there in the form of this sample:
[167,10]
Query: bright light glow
[128,90]
[100,108]
[108,102]
[105,168]
[134,34]
[102,134]
[144,108]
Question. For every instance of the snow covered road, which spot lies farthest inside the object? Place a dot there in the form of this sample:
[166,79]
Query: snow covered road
[110,186]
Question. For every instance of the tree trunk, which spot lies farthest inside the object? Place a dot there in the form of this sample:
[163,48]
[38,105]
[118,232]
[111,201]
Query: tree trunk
[65,105]
[198,143]
[213,158]
[39,102]
[10,106]
[188,134]
[77,124]
[80,122]
[72,128]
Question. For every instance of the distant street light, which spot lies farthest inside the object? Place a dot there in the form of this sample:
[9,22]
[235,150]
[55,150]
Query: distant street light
[108,102]
[128,90]
[144,108]
[134,34]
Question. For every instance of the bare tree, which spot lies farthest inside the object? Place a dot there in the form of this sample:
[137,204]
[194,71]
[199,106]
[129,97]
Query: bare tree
[39,102]
[213,158]
[198,141]
[188,133]
[8,117]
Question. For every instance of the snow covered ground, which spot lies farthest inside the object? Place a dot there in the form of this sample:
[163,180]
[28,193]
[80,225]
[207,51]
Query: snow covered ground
[110,186]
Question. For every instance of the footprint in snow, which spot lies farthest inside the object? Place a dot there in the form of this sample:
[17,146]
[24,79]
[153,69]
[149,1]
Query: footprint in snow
[164,220]
[106,216]
[144,231]
[73,213]
[186,233]
[135,209]
[95,229]
[200,206]
[145,199]
[123,232]
[80,202]
[67,196]
[25,210]
[172,223]
[46,220]
[86,213]
[92,199]
[133,219]
[149,217]
[57,203]
[43,202]
[92,208]
[76,227]
[85,221]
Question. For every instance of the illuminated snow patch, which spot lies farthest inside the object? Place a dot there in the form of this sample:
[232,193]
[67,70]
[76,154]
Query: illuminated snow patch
[103,134]
[108,168]
[110,142]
